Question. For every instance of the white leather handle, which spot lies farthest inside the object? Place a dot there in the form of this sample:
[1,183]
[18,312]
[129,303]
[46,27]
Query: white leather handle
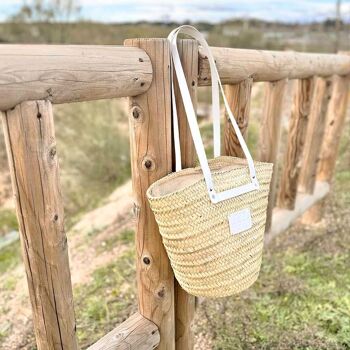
[192,119]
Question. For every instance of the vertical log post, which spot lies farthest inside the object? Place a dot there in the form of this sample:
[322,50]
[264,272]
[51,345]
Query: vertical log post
[329,149]
[238,97]
[151,159]
[31,148]
[334,127]
[296,137]
[270,135]
[314,134]
[184,302]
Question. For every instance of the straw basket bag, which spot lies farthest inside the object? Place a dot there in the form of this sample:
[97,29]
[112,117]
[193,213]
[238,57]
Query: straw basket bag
[211,218]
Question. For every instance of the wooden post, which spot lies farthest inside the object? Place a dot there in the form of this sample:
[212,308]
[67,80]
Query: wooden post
[296,137]
[31,149]
[151,159]
[314,134]
[184,302]
[238,97]
[334,127]
[329,149]
[270,135]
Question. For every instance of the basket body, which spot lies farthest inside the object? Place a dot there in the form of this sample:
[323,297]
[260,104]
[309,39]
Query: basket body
[207,259]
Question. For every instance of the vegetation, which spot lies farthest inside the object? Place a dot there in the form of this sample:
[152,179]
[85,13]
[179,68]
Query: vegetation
[10,256]
[8,221]
[107,300]
[93,146]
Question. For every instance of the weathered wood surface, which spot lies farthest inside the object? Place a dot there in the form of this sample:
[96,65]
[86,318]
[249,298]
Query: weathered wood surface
[236,65]
[184,302]
[71,73]
[334,127]
[136,333]
[328,156]
[238,97]
[31,148]
[151,159]
[270,135]
[296,138]
[282,219]
[314,134]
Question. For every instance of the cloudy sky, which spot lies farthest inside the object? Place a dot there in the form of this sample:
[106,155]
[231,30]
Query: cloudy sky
[197,10]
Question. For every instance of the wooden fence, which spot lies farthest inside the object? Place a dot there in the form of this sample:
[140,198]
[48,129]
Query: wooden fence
[33,77]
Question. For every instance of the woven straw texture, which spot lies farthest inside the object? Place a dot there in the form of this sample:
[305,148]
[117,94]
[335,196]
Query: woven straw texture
[206,258]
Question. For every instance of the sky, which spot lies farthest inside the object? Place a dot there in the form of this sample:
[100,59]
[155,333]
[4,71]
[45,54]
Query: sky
[197,10]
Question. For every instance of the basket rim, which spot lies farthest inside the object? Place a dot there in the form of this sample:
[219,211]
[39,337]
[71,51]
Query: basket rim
[150,196]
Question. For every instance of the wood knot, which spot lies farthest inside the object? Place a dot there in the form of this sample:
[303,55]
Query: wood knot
[55,218]
[39,115]
[137,114]
[142,84]
[148,164]
[146,260]
[161,293]
[50,92]
[52,152]
[193,83]
[140,59]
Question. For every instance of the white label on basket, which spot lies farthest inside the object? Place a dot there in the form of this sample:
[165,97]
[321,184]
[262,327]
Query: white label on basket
[240,221]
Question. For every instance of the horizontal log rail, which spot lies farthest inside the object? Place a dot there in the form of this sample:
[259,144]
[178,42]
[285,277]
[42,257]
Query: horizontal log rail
[136,333]
[73,73]
[236,65]
[282,219]
[64,73]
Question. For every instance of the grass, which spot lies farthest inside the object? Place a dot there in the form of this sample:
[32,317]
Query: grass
[107,300]
[8,221]
[93,148]
[301,301]
[10,256]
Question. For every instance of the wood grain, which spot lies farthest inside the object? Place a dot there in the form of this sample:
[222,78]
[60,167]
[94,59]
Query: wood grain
[151,159]
[270,135]
[184,302]
[334,127]
[314,134]
[136,333]
[31,148]
[64,74]
[295,143]
[238,97]
[328,156]
[236,65]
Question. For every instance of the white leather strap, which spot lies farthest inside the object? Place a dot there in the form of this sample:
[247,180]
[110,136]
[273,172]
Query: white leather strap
[192,119]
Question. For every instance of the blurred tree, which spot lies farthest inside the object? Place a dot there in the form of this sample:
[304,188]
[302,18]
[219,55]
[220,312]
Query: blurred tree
[47,11]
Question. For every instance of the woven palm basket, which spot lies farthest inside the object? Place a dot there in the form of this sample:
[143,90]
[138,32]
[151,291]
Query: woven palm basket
[206,258]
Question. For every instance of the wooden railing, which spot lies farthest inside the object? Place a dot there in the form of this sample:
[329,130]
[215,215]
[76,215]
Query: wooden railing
[34,77]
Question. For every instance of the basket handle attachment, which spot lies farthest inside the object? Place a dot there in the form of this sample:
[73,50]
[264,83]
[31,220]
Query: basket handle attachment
[214,196]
